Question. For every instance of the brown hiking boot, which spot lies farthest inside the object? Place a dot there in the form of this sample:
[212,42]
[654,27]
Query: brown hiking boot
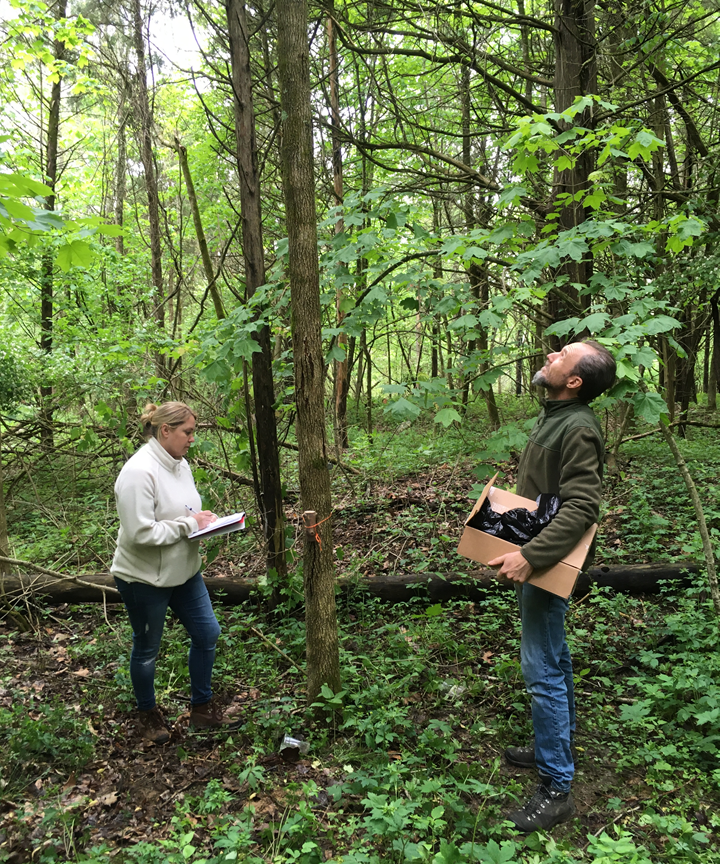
[211,716]
[153,727]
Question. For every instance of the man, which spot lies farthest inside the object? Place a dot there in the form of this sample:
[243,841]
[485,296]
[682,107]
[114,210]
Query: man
[564,456]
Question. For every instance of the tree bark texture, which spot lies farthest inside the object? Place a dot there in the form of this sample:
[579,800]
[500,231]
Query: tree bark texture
[342,376]
[144,121]
[254,259]
[323,662]
[575,75]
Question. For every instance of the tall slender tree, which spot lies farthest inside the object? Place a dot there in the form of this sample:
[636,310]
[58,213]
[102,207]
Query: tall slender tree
[254,260]
[47,276]
[144,121]
[323,663]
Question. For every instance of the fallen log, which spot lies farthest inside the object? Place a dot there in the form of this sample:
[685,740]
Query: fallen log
[630,578]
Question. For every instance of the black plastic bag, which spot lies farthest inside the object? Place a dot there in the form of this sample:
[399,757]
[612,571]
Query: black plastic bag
[519,525]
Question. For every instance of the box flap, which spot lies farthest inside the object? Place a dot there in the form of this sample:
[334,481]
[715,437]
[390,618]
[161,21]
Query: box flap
[483,496]
[502,500]
[559,579]
[576,557]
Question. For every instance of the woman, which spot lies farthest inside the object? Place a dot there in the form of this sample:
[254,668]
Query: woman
[156,566]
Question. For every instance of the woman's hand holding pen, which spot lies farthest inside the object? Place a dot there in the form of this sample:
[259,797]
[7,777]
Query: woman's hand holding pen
[202,517]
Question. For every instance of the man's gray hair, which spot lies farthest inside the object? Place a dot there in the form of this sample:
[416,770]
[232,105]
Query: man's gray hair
[597,369]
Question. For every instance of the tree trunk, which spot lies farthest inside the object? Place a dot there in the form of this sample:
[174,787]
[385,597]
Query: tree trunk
[342,381]
[47,275]
[4,540]
[254,257]
[368,392]
[323,661]
[712,376]
[393,588]
[145,124]
[199,230]
[121,175]
[715,364]
[575,75]
[707,544]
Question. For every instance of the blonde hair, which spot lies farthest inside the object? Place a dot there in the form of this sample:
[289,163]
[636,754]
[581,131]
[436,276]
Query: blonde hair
[171,413]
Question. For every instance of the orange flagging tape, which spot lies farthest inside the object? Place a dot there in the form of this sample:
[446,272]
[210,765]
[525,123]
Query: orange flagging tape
[317,536]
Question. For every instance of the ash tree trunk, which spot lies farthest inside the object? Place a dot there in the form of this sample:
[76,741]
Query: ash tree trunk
[253,254]
[323,664]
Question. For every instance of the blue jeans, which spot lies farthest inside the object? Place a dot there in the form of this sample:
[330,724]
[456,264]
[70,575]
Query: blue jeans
[547,670]
[146,606]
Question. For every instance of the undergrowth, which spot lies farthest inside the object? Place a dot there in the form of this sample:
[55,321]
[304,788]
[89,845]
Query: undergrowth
[405,762]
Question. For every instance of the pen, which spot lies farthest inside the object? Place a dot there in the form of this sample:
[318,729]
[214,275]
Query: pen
[187,507]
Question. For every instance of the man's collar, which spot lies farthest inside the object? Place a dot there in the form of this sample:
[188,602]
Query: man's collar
[553,405]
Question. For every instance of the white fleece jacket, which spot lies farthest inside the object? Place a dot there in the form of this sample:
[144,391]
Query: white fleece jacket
[151,493]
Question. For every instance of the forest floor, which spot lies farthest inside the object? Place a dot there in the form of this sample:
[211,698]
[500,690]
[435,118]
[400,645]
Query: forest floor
[405,764]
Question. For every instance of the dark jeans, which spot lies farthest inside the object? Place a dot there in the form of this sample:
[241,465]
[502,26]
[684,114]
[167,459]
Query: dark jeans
[146,606]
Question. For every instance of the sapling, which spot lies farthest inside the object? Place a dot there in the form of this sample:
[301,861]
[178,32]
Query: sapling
[699,514]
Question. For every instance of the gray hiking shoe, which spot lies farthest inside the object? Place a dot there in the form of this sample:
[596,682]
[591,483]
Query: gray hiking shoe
[544,810]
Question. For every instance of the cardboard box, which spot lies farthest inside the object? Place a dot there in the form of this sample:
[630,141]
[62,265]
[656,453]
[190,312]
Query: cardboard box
[482,547]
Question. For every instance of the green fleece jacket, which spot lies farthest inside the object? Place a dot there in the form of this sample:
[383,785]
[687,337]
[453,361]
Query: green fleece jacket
[564,456]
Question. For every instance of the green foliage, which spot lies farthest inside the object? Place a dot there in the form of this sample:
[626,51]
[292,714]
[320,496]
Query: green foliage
[45,737]
[13,381]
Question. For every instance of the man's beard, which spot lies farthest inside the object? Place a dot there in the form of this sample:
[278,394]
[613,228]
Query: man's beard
[539,379]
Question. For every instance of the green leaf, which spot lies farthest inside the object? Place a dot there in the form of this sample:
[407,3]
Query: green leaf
[401,409]
[526,161]
[337,352]
[447,416]
[74,254]
[463,322]
[660,324]
[449,853]
[645,356]
[562,328]
[595,199]
[691,228]
[17,209]
[708,717]
[111,230]
[594,323]
[650,406]
[626,370]
[574,247]
[511,195]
